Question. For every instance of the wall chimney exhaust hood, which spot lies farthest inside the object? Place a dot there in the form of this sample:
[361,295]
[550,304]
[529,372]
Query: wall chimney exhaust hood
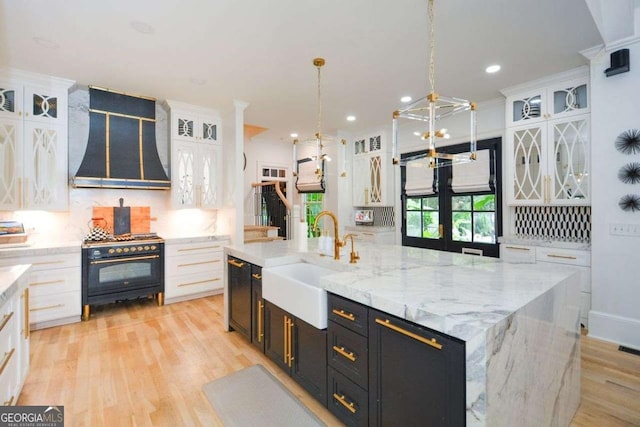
[121,150]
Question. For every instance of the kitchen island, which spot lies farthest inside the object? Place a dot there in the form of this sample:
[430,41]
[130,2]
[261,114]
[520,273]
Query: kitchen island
[519,323]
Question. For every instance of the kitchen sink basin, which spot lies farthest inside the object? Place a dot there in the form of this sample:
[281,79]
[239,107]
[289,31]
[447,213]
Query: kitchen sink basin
[296,289]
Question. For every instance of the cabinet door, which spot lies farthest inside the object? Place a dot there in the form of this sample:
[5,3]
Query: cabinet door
[276,333]
[568,98]
[310,359]
[45,105]
[11,163]
[183,169]
[24,333]
[45,167]
[568,161]
[361,180]
[377,181]
[527,108]
[184,125]
[411,380]
[239,281]
[208,129]
[11,100]
[257,308]
[209,175]
[526,183]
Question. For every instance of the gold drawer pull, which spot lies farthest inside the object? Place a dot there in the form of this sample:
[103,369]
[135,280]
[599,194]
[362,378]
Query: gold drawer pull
[198,263]
[199,282]
[343,401]
[257,276]
[48,262]
[561,256]
[5,320]
[349,355]
[432,342]
[48,307]
[25,295]
[235,263]
[196,249]
[341,313]
[517,248]
[9,402]
[5,361]
[50,282]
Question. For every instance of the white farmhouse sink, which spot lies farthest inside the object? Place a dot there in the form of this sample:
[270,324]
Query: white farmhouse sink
[296,289]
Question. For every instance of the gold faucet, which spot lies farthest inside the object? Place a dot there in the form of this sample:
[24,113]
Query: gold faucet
[337,244]
[354,255]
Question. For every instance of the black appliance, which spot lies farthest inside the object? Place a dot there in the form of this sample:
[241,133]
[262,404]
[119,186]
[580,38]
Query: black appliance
[117,270]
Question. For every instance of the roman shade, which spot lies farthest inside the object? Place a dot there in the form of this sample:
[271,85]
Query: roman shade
[473,176]
[308,181]
[418,178]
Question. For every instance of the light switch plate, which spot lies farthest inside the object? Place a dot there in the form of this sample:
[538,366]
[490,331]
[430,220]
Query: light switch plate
[632,230]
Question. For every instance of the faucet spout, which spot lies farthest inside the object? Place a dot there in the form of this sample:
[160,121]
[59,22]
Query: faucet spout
[337,243]
[354,255]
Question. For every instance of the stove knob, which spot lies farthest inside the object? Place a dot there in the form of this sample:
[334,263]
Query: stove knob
[153,247]
[133,249]
[146,248]
[111,251]
[126,250]
[139,248]
[119,250]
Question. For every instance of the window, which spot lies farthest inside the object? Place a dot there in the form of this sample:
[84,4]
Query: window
[447,212]
[313,203]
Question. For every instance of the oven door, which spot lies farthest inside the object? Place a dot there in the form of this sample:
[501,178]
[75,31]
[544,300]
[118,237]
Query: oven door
[119,275]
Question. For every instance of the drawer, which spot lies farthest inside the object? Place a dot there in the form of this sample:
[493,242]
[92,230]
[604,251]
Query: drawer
[53,282]
[190,249]
[348,313]
[194,263]
[193,283]
[49,262]
[347,353]
[44,308]
[8,336]
[346,400]
[517,253]
[8,377]
[564,256]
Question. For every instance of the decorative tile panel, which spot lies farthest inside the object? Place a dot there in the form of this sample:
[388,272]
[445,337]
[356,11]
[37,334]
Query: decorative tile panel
[560,223]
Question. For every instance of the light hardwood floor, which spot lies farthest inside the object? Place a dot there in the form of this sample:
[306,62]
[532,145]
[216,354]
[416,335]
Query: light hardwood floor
[136,364]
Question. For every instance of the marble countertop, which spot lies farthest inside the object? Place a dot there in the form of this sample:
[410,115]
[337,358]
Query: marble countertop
[35,248]
[194,239]
[9,280]
[460,295]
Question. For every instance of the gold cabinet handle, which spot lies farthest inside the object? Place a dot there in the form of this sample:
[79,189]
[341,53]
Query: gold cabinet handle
[257,276]
[5,360]
[199,282]
[236,263]
[343,401]
[285,331]
[48,307]
[198,263]
[348,354]
[48,262]
[344,315]
[50,282]
[5,320]
[290,342]
[561,256]
[517,248]
[198,248]
[432,342]
[9,402]
[260,327]
[27,332]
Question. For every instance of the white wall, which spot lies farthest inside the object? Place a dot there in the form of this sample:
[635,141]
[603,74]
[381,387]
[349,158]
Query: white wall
[615,313]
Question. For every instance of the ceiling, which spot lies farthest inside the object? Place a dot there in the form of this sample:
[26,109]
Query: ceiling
[213,52]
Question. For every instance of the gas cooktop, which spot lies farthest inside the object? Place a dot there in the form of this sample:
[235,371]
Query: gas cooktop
[123,239]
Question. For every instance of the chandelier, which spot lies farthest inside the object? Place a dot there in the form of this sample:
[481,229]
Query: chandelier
[432,108]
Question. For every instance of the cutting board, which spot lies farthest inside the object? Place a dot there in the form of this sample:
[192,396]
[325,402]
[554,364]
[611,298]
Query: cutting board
[121,219]
[140,218]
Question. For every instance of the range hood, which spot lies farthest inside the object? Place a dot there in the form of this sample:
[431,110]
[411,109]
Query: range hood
[121,150]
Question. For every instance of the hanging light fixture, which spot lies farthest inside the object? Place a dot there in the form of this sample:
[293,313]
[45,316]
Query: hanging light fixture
[432,108]
[319,138]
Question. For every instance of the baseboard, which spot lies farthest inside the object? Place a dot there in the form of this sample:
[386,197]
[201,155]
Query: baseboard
[617,329]
[192,296]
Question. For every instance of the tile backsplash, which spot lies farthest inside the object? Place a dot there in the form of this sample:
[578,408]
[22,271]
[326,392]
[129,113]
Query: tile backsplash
[560,223]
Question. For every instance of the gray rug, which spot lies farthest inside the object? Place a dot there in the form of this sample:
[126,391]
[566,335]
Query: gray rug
[253,397]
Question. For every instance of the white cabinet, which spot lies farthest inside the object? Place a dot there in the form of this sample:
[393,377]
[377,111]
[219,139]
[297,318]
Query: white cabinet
[375,235]
[548,139]
[578,259]
[14,344]
[193,270]
[33,142]
[196,157]
[54,283]
[372,177]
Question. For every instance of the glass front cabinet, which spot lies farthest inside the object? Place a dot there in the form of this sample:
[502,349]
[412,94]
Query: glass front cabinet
[372,173]
[548,137]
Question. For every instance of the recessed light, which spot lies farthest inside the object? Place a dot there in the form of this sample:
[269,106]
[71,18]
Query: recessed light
[417,134]
[294,135]
[142,27]
[49,44]
[492,69]
[351,118]
[406,99]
